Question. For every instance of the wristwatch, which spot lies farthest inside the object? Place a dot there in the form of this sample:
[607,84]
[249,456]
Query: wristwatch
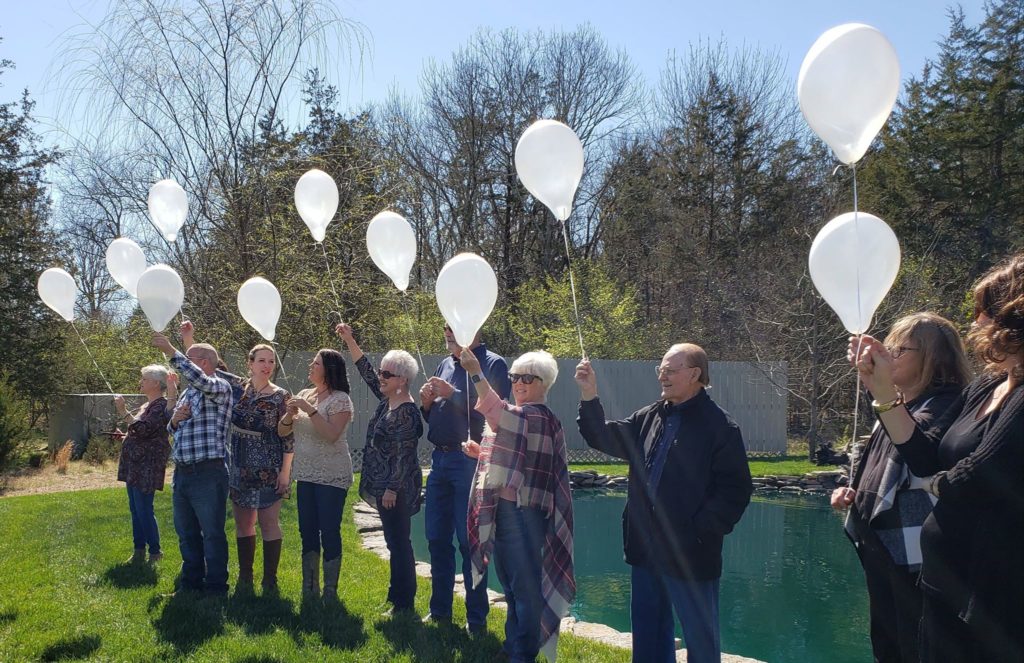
[476,378]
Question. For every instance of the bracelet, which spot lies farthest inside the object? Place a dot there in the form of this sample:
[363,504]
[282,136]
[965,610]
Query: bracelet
[881,408]
[287,423]
[933,485]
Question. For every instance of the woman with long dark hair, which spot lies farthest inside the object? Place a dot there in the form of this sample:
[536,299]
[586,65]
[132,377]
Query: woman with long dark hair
[322,467]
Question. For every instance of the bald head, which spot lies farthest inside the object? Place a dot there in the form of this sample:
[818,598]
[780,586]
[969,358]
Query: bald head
[693,355]
[204,356]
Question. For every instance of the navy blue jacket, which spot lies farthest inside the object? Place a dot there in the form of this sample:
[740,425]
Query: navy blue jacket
[447,416]
[704,489]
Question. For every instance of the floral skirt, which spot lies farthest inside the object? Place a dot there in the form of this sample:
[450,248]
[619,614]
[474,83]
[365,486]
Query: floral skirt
[253,468]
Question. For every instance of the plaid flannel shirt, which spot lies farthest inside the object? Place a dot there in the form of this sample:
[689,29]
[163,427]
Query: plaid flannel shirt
[526,457]
[204,435]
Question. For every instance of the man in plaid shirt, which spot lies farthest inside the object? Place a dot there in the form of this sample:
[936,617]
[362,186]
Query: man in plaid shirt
[200,425]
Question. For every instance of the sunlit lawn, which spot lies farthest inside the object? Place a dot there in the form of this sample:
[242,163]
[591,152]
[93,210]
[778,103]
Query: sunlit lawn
[65,593]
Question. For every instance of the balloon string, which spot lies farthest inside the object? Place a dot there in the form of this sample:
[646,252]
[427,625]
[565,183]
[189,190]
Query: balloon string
[856,406]
[280,366]
[330,278]
[469,426]
[89,352]
[860,310]
[415,340]
[572,286]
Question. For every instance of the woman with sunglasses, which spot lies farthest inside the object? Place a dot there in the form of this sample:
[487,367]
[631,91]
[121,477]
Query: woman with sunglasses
[391,479]
[888,504]
[972,569]
[521,504]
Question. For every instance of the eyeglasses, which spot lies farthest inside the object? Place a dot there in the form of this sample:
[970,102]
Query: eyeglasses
[900,350]
[526,378]
[386,375]
[666,371]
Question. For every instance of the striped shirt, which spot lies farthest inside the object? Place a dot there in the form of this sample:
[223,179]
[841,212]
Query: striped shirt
[204,435]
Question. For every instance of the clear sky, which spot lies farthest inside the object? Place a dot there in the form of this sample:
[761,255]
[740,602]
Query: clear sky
[402,34]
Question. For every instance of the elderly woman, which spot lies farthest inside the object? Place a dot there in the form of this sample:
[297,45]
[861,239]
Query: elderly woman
[521,505]
[391,479]
[972,570]
[888,503]
[322,468]
[144,456]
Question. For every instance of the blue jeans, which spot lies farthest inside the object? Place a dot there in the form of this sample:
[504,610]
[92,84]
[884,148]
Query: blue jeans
[518,556]
[448,484]
[320,508]
[397,525]
[200,498]
[144,529]
[654,596]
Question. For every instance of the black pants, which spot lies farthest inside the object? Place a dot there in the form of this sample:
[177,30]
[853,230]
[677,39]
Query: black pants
[945,638]
[396,523]
[895,606]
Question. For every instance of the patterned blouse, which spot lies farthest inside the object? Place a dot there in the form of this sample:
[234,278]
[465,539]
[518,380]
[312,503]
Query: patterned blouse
[256,451]
[320,461]
[146,449]
[389,458]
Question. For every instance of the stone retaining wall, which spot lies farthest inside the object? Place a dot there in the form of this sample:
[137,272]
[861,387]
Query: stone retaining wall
[821,482]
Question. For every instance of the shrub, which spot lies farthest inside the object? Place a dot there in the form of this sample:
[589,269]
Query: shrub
[100,449]
[14,418]
[63,457]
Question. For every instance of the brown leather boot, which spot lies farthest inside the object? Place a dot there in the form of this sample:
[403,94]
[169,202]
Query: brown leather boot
[332,568]
[271,558]
[246,554]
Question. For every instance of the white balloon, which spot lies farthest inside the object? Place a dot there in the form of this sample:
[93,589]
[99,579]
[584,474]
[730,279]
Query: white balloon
[391,243]
[848,84]
[549,161]
[259,302]
[466,290]
[126,262]
[854,261]
[58,291]
[316,199]
[161,294]
[168,208]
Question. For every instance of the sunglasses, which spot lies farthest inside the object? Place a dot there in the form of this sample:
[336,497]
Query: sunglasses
[526,378]
[386,375]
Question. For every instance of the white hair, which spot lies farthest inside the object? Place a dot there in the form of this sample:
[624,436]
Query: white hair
[156,372]
[404,364]
[539,363]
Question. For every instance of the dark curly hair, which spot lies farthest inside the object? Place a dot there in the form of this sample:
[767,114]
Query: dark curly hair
[999,294]
[335,371]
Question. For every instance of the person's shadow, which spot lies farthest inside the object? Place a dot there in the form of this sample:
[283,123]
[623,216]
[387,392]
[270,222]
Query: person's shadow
[406,633]
[130,576]
[82,646]
[338,628]
[188,618]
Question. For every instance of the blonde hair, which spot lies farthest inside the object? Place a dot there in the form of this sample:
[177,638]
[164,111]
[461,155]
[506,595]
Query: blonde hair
[943,361]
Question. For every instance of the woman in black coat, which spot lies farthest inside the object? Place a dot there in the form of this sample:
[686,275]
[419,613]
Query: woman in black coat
[972,544]
[887,502]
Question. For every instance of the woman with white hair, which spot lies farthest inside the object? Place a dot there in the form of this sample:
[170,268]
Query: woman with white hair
[521,504]
[391,479]
[144,456]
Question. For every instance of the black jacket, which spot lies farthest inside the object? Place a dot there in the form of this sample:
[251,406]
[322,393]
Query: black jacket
[704,488]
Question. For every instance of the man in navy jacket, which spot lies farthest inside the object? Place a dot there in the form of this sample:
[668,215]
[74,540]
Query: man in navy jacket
[445,401]
[689,483]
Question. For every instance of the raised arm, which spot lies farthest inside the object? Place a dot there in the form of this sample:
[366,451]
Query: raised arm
[615,438]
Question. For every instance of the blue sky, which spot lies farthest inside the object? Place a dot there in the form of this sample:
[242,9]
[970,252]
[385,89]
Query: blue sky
[402,34]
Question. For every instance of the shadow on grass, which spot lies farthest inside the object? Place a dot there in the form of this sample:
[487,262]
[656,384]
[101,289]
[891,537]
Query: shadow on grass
[406,633]
[260,659]
[258,614]
[7,616]
[70,649]
[337,627]
[188,619]
[130,576]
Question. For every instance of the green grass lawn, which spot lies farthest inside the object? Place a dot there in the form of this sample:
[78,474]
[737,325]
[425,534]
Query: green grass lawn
[759,466]
[66,594]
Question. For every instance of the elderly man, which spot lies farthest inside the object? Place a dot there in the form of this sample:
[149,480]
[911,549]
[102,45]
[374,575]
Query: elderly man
[689,483]
[200,424]
[445,403]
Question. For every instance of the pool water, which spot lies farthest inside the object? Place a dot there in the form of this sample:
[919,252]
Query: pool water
[792,589]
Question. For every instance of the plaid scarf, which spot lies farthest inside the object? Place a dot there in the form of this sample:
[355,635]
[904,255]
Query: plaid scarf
[526,455]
